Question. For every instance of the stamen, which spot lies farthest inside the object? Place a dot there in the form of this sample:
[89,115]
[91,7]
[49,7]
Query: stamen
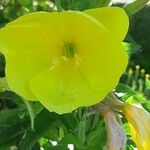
[70,50]
[55,62]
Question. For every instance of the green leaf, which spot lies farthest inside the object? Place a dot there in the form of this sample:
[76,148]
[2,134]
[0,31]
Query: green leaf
[3,85]
[82,131]
[123,88]
[104,3]
[44,121]
[53,134]
[11,115]
[12,124]
[69,121]
[11,145]
[97,138]
[96,119]
[58,4]
[11,98]
[58,147]
[25,3]
[78,5]
[147,83]
[147,106]
[72,139]
[2,65]
[84,4]
[135,6]
[37,107]
[131,48]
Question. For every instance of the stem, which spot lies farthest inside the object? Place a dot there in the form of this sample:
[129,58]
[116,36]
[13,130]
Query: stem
[113,102]
[31,113]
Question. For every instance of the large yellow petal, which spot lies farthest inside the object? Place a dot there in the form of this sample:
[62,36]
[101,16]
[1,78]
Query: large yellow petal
[20,67]
[63,89]
[113,18]
[103,64]
[28,49]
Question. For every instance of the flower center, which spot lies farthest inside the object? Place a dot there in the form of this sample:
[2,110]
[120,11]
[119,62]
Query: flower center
[69,50]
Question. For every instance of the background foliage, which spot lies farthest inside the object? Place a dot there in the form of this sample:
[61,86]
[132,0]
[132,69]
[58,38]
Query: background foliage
[26,126]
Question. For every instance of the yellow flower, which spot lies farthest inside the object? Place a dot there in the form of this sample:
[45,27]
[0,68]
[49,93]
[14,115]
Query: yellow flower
[65,60]
[139,121]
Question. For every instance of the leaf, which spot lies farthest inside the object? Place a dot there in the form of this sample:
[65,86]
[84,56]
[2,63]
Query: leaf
[3,84]
[7,116]
[12,124]
[131,48]
[25,3]
[37,107]
[72,139]
[59,147]
[147,83]
[53,134]
[96,139]
[2,65]
[58,4]
[84,4]
[11,144]
[147,106]
[11,97]
[79,5]
[69,121]
[128,147]
[44,121]
[82,131]
[104,3]
[123,88]
[135,6]
[95,122]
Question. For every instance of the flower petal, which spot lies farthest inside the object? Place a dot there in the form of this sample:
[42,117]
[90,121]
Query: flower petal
[139,120]
[113,18]
[28,48]
[20,69]
[62,89]
[104,64]
[116,138]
